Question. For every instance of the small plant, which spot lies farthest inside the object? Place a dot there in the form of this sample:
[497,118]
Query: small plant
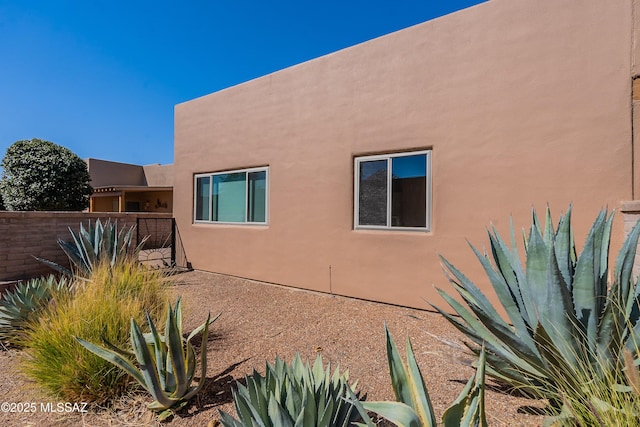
[22,304]
[564,318]
[167,362]
[413,407]
[101,306]
[600,401]
[295,394]
[95,245]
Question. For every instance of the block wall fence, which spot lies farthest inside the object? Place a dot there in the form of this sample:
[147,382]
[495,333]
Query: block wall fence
[27,234]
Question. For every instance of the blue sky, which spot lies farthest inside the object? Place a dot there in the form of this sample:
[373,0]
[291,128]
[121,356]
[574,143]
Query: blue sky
[102,77]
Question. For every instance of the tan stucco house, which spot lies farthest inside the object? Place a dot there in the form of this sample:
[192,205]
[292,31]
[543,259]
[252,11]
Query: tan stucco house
[124,187]
[352,172]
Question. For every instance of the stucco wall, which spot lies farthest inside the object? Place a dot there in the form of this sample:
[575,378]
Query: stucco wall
[105,204]
[523,102]
[29,234]
[158,201]
[106,173]
[158,175]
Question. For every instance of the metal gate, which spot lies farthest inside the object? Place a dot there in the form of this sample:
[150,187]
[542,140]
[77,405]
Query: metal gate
[163,246]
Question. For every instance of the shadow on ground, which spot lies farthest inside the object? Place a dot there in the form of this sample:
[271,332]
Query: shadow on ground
[215,392]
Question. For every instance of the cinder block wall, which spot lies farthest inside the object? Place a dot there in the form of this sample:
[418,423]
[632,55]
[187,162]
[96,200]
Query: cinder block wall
[27,234]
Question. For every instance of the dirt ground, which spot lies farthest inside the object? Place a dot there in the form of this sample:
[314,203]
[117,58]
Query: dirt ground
[260,321]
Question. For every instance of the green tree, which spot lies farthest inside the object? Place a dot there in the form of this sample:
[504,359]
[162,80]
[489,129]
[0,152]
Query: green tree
[40,175]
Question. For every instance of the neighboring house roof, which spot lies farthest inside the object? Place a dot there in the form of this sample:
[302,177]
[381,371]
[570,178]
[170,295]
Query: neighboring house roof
[107,176]
[129,189]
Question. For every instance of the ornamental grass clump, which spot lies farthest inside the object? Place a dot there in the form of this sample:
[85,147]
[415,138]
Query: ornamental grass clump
[565,321]
[600,400]
[603,397]
[101,307]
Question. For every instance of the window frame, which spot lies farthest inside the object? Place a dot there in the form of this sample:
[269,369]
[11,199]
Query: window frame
[357,160]
[246,171]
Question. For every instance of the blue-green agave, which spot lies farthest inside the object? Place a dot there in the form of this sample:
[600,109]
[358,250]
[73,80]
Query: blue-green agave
[563,316]
[167,363]
[95,244]
[295,395]
[21,305]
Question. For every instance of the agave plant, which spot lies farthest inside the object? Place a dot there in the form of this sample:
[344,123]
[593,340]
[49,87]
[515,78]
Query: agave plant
[98,243]
[19,306]
[563,317]
[413,407]
[295,394]
[167,362]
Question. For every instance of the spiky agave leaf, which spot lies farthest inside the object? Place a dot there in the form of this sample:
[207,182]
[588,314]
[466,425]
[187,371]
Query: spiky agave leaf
[296,394]
[413,407]
[164,365]
[468,409]
[95,244]
[22,304]
[563,314]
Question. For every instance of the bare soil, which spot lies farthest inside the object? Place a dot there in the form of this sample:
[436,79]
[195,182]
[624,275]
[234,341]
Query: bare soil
[260,321]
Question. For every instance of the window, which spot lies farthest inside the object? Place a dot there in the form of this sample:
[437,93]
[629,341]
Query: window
[238,196]
[392,191]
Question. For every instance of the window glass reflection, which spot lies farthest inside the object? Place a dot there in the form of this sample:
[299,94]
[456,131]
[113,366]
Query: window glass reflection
[373,193]
[409,191]
[202,198]
[229,195]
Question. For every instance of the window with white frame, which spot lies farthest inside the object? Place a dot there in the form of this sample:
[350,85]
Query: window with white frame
[393,191]
[238,196]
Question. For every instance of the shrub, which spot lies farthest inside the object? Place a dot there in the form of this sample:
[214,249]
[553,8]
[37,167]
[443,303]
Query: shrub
[23,303]
[167,362]
[42,176]
[295,394]
[102,307]
[566,321]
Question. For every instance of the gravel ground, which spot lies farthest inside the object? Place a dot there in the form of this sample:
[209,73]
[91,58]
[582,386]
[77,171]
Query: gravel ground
[260,321]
